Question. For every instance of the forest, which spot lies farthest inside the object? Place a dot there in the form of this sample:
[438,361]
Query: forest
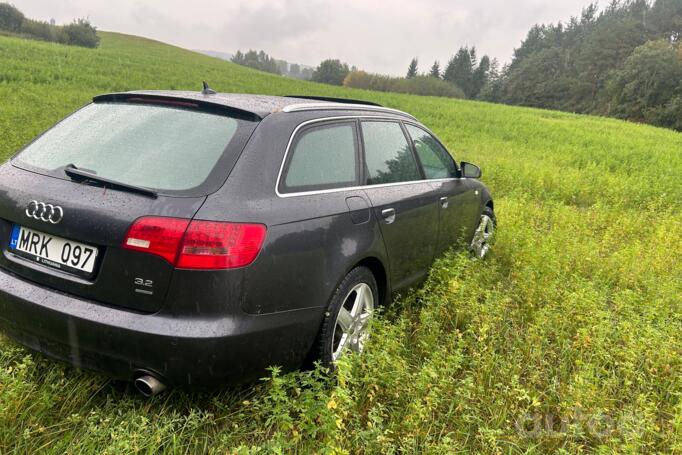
[624,61]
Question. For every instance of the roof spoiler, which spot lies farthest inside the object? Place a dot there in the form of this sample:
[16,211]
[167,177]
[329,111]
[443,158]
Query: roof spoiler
[127,97]
[335,100]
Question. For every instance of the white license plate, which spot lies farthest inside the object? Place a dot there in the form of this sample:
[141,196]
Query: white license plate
[53,251]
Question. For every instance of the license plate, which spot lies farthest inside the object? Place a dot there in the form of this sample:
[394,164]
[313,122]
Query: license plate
[53,251]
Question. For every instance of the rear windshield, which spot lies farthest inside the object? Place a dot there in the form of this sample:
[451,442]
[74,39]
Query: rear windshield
[165,148]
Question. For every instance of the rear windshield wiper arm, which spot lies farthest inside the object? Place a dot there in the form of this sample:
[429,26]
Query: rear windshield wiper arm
[83,175]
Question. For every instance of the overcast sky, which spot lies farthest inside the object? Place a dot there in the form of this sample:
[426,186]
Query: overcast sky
[375,35]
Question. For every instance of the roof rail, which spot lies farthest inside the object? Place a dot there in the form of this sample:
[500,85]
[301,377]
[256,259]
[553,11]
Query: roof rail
[334,100]
[342,107]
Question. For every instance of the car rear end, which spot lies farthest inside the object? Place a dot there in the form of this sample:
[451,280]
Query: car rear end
[104,264]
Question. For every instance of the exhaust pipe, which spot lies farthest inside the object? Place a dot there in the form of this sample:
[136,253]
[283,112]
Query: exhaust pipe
[149,386]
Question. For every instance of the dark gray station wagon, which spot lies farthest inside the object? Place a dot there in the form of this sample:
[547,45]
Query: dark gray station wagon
[175,238]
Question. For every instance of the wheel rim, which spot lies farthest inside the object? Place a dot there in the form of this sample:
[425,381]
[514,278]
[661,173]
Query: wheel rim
[351,329]
[480,244]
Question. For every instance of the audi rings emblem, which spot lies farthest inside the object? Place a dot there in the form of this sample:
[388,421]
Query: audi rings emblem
[44,212]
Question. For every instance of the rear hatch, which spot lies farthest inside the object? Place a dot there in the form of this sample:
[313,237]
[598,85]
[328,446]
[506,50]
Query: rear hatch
[69,199]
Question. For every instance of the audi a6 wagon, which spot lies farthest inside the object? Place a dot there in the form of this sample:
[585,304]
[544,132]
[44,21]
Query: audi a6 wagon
[196,238]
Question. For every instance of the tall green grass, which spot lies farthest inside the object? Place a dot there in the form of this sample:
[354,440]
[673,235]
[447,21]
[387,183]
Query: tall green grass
[567,339]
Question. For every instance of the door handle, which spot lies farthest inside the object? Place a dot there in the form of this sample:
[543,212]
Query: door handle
[444,202]
[388,215]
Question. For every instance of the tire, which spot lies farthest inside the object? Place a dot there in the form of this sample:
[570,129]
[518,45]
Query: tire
[347,321]
[484,234]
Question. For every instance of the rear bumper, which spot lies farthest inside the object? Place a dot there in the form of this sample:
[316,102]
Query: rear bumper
[182,350]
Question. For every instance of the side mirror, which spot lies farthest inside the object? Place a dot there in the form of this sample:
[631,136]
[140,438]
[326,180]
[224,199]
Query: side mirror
[470,171]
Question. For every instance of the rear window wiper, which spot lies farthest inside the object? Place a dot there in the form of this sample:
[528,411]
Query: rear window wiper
[82,175]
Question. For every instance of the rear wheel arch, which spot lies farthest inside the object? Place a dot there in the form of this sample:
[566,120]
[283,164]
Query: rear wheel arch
[378,269]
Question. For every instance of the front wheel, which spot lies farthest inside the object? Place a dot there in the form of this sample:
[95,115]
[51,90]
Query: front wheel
[483,236]
[347,321]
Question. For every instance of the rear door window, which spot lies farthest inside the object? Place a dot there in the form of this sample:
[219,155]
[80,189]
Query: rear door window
[168,149]
[388,155]
[323,157]
[436,162]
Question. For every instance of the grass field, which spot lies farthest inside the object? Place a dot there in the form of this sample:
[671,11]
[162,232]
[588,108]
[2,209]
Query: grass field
[568,338]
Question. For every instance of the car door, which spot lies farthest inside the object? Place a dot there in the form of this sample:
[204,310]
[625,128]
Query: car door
[403,202]
[458,200]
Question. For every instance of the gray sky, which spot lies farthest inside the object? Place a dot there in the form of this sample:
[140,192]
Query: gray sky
[375,35]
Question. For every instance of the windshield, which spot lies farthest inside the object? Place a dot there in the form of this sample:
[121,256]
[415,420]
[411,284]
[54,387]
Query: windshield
[159,147]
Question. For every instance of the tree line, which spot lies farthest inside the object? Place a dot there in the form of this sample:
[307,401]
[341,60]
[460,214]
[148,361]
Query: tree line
[625,62]
[79,33]
[464,76]
[335,72]
[464,71]
[262,61]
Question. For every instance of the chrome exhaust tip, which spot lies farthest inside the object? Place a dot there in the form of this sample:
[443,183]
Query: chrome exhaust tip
[149,386]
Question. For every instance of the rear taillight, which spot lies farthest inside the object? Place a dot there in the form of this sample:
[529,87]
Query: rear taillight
[213,245]
[197,244]
[157,235]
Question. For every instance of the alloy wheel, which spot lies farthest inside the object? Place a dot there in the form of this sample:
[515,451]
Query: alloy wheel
[480,245]
[351,330]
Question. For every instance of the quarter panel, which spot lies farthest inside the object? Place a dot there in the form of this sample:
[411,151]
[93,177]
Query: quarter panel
[304,260]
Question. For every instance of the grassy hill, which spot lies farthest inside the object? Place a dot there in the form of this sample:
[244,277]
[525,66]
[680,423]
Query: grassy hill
[567,338]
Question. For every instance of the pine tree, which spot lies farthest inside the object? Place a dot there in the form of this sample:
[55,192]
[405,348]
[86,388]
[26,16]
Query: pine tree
[435,70]
[494,86]
[481,75]
[460,72]
[412,69]
[466,72]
